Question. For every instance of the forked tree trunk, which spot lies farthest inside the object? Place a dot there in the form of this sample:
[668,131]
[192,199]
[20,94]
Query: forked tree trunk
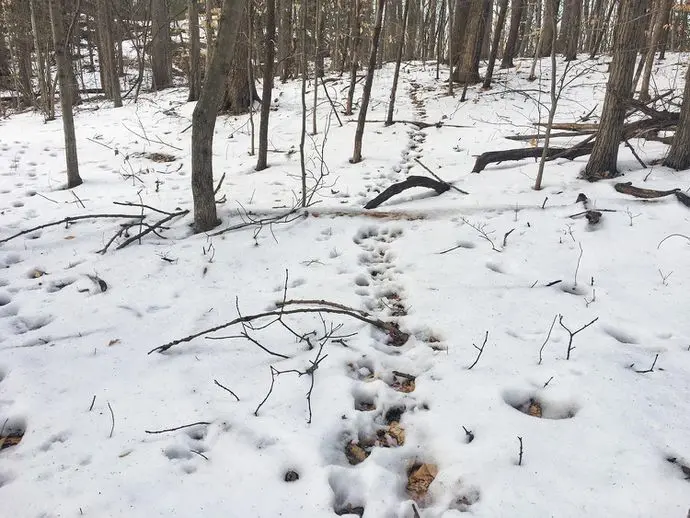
[194,51]
[503,7]
[206,112]
[679,154]
[161,62]
[63,61]
[398,59]
[269,45]
[467,68]
[366,94]
[603,160]
[510,51]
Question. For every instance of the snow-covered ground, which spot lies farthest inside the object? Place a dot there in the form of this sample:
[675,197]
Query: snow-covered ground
[77,382]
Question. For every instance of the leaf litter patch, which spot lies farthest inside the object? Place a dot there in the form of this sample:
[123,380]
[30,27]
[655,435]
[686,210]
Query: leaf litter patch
[12,430]
[531,404]
[389,435]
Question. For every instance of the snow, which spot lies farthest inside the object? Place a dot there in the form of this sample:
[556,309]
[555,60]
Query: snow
[601,445]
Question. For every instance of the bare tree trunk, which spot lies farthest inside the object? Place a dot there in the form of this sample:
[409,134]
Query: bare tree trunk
[240,90]
[500,22]
[42,70]
[663,8]
[208,28]
[440,37]
[318,63]
[206,112]
[107,47]
[467,69]
[516,10]
[396,74]
[355,39]
[194,51]
[572,29]
[269,44]
[303,97]
[63,60]
[665,24]
[366,94]
[679,154]
[550,10]
[603,160]
[285,50]
[161,63]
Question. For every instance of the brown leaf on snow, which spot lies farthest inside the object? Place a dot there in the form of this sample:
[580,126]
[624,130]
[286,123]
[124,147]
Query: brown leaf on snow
[419,480]
[534,408]
[113,342]
[355,453]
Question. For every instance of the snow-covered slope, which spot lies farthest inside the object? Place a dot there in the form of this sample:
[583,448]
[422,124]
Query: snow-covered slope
[77,382]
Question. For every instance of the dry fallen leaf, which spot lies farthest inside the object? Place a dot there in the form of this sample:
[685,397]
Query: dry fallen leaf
[397,433]
[69,237]
[420,479]
[534,408]
[113,342]
[355,453]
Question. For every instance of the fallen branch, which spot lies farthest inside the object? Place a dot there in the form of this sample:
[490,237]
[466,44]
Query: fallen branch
[494,157]
[152,228]
[573,333]
[396,336]
[638,192]
[408,183]
[68,220]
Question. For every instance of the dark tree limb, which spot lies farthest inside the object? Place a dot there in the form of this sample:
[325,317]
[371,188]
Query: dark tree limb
[638,192]
[408,183]
[68,220]
[494,157]
[152,228]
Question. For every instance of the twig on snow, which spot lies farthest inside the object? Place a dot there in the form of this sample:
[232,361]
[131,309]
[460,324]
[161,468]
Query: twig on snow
[226,388]
[112,421]
[166,430]
[541,350]
[521,450]
[645,371]
[573,333]
[480,349]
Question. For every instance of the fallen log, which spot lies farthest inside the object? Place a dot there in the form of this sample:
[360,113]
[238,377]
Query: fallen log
[647,194]
[408,183]
[683,198]
[570,126]
[540,136]
[494,157]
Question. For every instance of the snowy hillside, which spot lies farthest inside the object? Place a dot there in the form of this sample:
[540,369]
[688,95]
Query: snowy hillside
[94,426]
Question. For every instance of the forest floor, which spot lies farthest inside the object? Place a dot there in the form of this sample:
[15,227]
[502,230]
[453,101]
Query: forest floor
[396,428]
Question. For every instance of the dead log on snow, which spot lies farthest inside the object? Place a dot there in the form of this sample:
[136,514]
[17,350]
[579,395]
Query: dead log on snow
[638,192]
[408,183]
[494,157]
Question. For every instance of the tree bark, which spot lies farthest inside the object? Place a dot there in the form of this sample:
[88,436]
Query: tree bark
[663,7]
[467,67]
[194,51]
[267,86]
[161,63]
[62,58]
[111,84]
[603,161]
[206,113]
[285,49]
[355,41]
[679,154]
[550,10]
[396,74]
[366,94]
[240,89]
[516,10]
[503,7]
[572,29]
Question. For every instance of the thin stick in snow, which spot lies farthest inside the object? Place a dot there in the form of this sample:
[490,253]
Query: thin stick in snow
[112,420]
[480,349]
[521,450]
[226,388]
[541,350]
[204,423]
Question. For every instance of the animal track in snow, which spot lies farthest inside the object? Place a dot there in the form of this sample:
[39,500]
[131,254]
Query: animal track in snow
[532,404]
[13,429]
[620,335]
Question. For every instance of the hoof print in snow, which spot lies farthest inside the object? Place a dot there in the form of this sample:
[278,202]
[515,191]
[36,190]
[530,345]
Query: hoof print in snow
[291,476]
[348,510]
[11,431]
[572,289]
[620,335]
[403,382]
[364,404]
[683,466]
[355,453]
[419,478]
[36,273]
[177,452]
[5,478]
[10,259]
[465,500]
[57,285]
[5,298]
[533,406]
[362,370]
